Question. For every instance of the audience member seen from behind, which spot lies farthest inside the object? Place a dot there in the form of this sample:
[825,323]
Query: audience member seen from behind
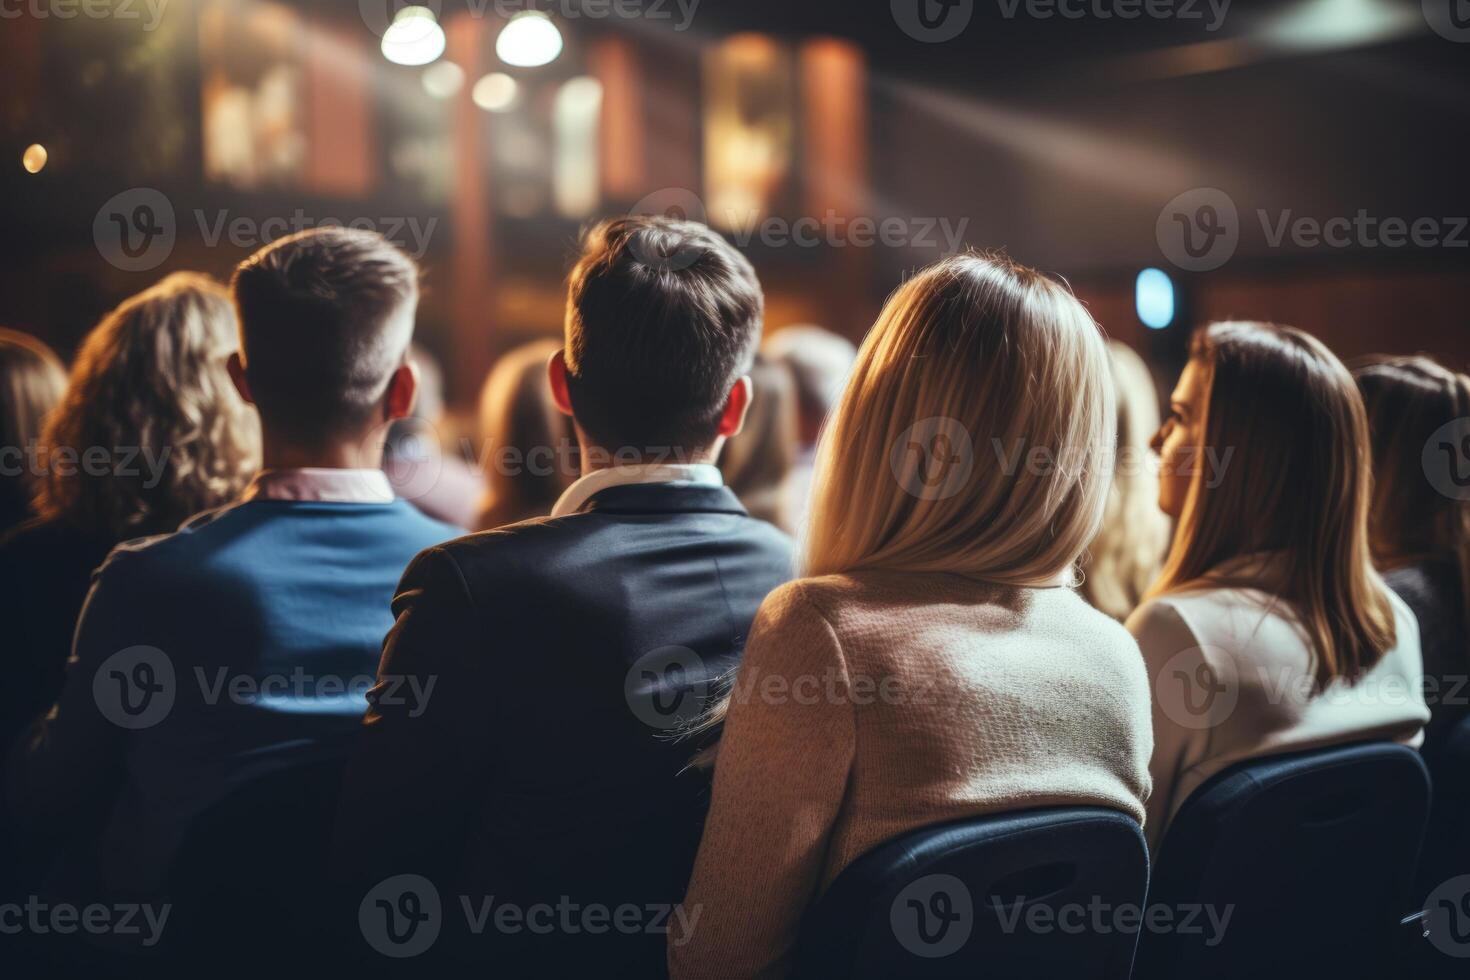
[567,649]
[819,361]
[1124,558]
[268,614]
[931,573]
[528,449]
[439,483]
[1419,528]
[149,432]
[31,382]
[757,463]
[1269,629]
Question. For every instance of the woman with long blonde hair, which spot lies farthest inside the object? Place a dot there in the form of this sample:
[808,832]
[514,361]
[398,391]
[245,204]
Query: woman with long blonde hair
[1419,529]
[1269,628]
[149,432]
[31,383]
[1124,559]
[935,662]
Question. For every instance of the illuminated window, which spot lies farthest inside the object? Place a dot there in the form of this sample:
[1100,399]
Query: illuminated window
[748,128]
[574,124]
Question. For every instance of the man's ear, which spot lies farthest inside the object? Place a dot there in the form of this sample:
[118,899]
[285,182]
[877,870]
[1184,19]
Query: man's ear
[236,366]
[556,376]
[732,420]
[403,391]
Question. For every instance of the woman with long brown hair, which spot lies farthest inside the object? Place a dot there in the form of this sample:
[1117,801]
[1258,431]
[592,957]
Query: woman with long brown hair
[1419,413]
[149,432]
[31,383]
[935,663]
[1269,629]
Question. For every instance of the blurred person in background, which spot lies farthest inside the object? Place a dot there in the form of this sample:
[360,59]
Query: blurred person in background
[1269,591]
[439,483]
[1125,557]
[758,462]
[149,432]
[32,380]
[819,361]
[1420,530]
[528,449]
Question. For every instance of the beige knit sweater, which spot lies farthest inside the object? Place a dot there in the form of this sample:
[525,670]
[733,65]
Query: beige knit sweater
[871,704]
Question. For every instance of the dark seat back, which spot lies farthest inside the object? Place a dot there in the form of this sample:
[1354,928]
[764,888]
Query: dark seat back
[1442,940]
[1311,855]
[257,860]
[996,897]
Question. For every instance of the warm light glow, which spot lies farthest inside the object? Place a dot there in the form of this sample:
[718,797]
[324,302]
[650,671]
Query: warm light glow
[1153,297]
[34,158]
[443,80]
[414,37]
[496,92]
[528,40]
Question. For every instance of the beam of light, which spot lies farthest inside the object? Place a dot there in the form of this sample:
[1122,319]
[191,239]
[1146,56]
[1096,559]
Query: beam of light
[1069,148]
[529,39]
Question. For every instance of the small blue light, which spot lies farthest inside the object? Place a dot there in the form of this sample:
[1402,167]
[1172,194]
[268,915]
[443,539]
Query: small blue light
[1153,295]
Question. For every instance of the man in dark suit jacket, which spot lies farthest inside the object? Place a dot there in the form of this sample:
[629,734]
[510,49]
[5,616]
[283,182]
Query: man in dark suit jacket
[536,803]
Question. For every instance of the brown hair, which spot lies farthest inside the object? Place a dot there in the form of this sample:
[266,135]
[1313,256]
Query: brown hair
[1408,399]
[150,384]
[529,448]
[318,332]
[663,316]
[32,381]
[1300,487]
[756,462]
[1124,558]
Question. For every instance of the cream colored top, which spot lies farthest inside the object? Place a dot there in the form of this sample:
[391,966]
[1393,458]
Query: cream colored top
[1232,675]
[872,704]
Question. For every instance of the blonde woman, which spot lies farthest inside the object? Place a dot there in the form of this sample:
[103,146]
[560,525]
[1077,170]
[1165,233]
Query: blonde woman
[1420,525]
[1269,629]
[149,432]
[935,662]
[31,382]
[1124,558]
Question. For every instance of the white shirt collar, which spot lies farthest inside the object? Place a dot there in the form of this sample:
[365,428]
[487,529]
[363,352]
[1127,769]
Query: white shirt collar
[321,484]
[575,497]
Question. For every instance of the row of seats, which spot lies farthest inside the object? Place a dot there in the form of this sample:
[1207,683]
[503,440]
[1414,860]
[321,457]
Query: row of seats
[1296,866]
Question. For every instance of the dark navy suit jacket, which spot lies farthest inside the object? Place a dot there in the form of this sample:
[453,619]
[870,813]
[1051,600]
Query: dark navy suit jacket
[564,654]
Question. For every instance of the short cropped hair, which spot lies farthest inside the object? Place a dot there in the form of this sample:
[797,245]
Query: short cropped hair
[663,316]
[318,331]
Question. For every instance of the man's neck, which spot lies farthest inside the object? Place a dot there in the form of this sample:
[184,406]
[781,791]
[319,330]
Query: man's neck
[594,458]
[279,455]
